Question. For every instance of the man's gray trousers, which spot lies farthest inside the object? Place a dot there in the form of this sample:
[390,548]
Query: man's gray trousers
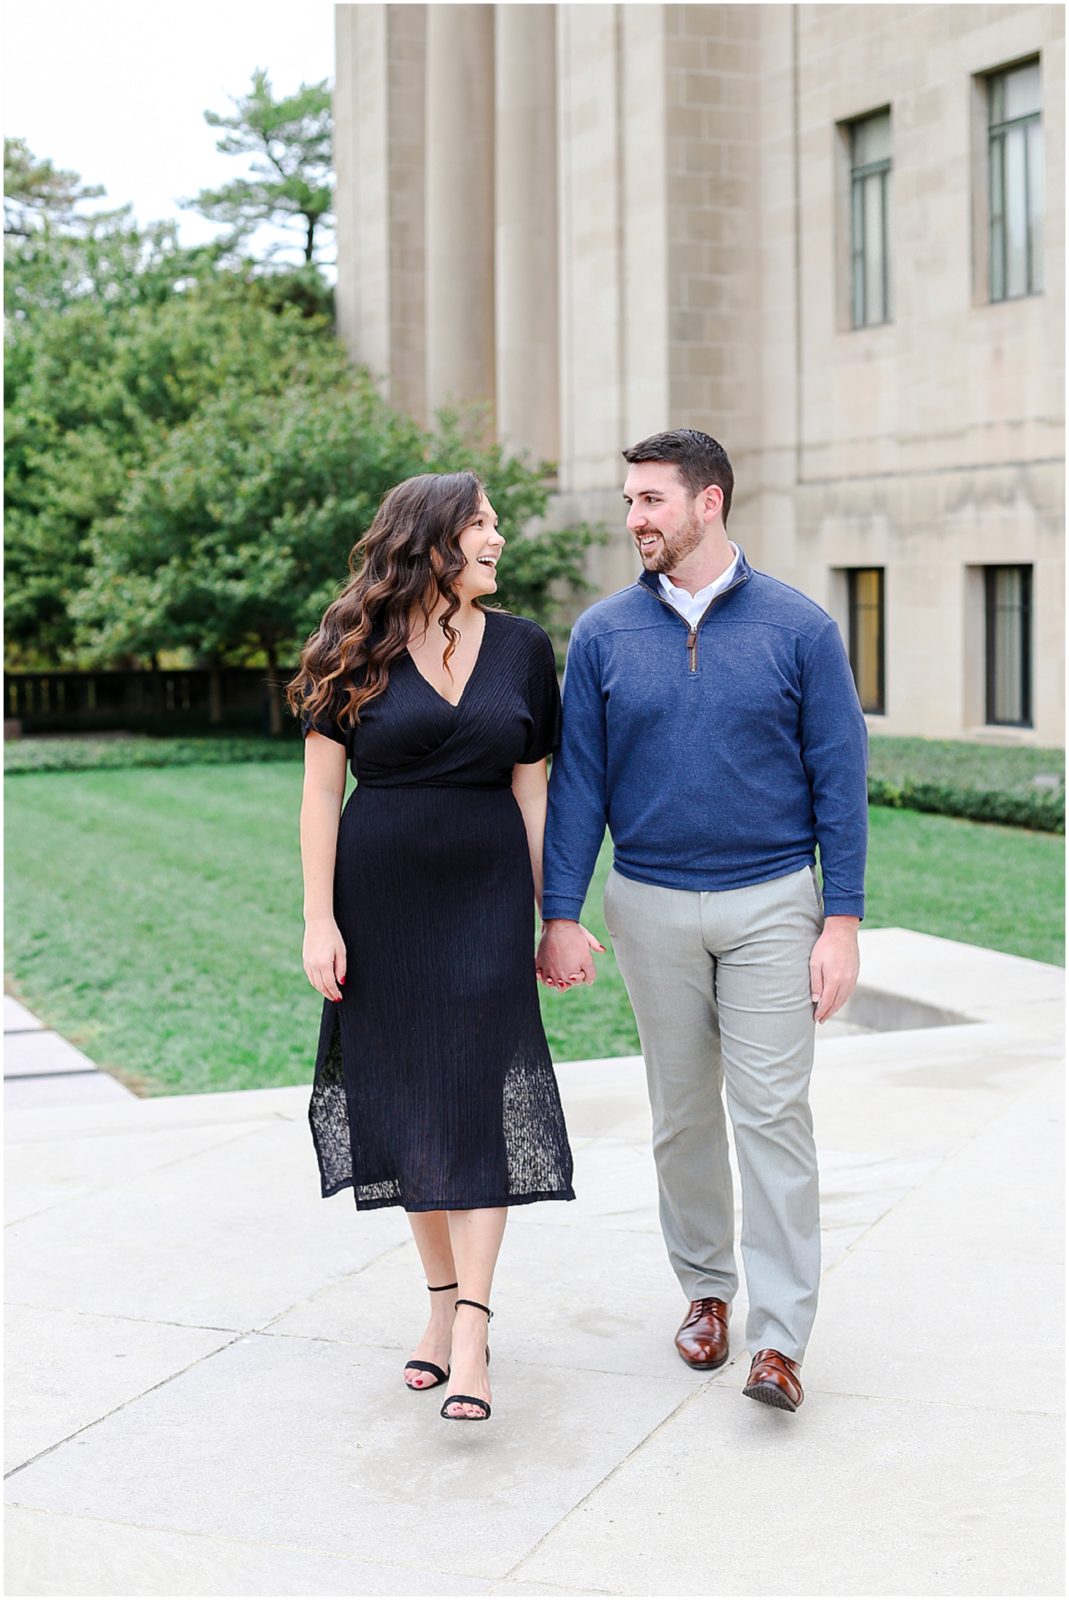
[719,983]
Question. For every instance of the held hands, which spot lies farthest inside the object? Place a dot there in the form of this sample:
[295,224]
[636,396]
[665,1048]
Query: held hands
[324,957]
[834,966]
[564,955]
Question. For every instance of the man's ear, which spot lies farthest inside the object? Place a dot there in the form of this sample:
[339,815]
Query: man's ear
[712,500]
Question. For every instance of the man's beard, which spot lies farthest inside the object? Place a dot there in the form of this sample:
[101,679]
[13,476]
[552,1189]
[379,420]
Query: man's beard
[674,548]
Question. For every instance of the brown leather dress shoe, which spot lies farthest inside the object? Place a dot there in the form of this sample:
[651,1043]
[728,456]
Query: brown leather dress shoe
[774,1381]
[702,1340]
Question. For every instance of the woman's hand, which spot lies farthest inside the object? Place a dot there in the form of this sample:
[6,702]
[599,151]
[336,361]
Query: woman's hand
[324,957]
[564,954]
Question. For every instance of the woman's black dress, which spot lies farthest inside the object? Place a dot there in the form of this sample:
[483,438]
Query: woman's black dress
[434,1088]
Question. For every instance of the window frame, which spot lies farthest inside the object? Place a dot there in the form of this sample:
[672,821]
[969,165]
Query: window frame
[859,176]
[997,231]
[1026,720]
[853,608]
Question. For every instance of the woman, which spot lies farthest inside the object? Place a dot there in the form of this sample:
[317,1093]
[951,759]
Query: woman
[434,1088]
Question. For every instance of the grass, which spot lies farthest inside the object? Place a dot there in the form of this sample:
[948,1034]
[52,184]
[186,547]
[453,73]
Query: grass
[154,919]
[971,881]
[1011,769]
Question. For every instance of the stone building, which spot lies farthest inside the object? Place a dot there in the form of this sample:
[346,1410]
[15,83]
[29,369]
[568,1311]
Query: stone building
[831,235]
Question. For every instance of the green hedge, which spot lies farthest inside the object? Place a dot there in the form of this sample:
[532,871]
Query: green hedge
[60,754]
[1044,812]
[1021,786]
[981,782]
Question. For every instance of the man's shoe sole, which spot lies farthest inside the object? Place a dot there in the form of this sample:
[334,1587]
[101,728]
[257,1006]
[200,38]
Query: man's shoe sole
[703,1366]
[770,1394]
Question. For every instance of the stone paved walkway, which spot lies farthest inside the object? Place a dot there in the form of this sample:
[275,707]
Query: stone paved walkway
[204,1358]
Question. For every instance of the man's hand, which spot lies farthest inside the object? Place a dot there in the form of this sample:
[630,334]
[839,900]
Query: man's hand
[833,966]
[564,954]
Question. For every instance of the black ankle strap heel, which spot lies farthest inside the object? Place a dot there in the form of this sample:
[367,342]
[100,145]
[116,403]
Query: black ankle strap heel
[435,1371]
[469,1399]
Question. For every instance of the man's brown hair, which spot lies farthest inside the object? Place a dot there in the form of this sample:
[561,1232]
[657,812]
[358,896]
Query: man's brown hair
[697,457]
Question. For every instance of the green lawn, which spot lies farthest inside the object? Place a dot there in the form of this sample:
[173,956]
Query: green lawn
[153,917]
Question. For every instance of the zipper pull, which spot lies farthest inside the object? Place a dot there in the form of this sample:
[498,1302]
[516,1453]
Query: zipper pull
[692,649]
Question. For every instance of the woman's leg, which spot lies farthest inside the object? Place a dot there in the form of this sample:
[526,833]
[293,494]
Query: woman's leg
[476,1239]
[431,1233]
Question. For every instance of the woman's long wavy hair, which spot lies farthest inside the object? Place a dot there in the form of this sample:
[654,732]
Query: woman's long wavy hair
[409,558]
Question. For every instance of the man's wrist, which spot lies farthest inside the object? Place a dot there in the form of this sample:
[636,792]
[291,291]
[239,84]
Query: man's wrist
[839,922]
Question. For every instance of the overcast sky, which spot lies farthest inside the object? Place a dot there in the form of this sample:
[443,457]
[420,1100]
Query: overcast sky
[117,91]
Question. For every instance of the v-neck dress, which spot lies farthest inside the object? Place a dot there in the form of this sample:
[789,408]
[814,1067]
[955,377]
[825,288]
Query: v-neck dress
[434,1089]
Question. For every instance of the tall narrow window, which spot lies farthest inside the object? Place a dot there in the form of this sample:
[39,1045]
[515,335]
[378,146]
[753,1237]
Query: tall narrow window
[1008,645]
[870,212]
[1015,167]
[864,591]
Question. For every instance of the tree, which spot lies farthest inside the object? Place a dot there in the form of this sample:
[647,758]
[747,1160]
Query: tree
[233,539]
[230,542]
[290,178]
[37,194]
[93,391]
[191,456]
[56,256]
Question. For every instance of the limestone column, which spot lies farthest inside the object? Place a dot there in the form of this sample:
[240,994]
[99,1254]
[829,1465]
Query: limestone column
[460,204]
[526,229]
[379,155]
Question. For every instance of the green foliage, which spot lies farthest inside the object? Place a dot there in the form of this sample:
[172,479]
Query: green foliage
[191,457]
[94,392]
[1044,812]
[1020,787]
[57,754]
[37,194]
[57,255]
[290,179]
[231,539]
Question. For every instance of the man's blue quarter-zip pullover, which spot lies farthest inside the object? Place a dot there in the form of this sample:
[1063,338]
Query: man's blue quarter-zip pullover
[718,756]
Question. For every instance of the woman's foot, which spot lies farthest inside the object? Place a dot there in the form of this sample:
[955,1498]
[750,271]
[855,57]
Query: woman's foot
[434,1345]
[468,1374]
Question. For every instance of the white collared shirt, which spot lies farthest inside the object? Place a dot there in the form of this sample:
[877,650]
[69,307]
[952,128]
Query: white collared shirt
[691,607]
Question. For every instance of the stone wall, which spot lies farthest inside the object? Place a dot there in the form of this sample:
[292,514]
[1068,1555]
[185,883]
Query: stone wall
[665,231]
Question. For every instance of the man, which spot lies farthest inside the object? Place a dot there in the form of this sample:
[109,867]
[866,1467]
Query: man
[710,718]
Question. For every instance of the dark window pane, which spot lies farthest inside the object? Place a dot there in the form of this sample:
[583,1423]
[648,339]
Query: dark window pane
[1009,645]
[865,597]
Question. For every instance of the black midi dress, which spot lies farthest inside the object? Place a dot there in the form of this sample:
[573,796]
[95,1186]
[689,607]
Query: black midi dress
[434,1089]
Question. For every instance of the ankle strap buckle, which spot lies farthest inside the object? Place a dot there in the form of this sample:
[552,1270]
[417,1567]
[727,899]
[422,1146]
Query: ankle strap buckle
[478,1306]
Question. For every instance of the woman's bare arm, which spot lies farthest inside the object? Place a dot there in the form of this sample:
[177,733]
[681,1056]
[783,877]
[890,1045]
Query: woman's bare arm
[530,785]
[324,789]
